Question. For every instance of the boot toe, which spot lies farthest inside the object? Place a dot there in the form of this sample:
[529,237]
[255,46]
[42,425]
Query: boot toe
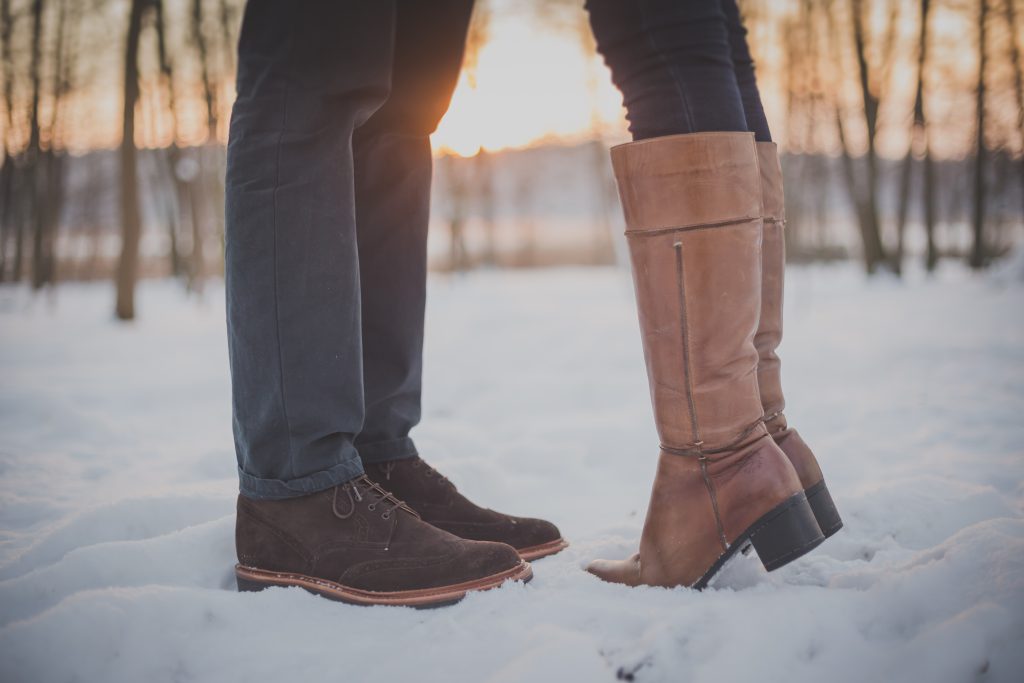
[617,571]
[531,532]
[484,558]
[535,538]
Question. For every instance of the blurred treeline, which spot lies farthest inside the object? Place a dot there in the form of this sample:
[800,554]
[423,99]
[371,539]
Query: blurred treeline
[902,123]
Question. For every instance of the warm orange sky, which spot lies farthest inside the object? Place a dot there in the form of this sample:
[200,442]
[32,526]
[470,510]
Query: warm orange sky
[534,82]
[530,84]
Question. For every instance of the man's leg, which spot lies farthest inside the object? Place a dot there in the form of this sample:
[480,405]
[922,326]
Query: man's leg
[393,168]
[392,180]
[309,74]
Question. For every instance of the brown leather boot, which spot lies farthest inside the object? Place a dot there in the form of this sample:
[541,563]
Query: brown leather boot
[693,215]
[439,503]
[357,543]
[769,334]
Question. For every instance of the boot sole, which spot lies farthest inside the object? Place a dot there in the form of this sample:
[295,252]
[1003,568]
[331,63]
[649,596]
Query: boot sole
[535,552]
[824,508]
[253,579]
[784,533]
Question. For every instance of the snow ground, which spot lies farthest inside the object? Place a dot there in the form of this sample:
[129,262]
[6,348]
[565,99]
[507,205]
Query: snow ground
[117,491]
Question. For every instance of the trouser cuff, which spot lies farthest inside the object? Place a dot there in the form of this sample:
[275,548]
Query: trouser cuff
[275,489]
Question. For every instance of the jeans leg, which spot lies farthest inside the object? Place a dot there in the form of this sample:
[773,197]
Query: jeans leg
[672,62]
[743,64]
[392,182]
[309,74]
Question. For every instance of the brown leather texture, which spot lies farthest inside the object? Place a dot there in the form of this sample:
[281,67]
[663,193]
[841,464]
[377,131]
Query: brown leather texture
[357,536]
[697,286]
[800,454]
[773,265]
[716,183]
[693,210]
[680,539]
[769,330]
[439,503]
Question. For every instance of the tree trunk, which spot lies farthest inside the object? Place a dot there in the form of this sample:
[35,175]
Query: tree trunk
[874,252]
[128,266]
[34,162]
[918,145]
[172,155]
[7,173]
[6,206]
[204,68]
[1018,81]
[978,257]
[51,162]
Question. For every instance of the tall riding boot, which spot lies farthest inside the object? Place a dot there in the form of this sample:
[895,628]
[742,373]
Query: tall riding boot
[693,214]
[769,334]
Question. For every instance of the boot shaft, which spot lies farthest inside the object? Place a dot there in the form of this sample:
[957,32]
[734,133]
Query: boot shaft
[773,266]
[693,213]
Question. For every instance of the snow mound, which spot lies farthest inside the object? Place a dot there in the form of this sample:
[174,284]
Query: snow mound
[117,494]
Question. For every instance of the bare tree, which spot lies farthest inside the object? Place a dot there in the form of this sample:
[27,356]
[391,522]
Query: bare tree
[172,154]
[199,39]
[978,255]
[874,251]
[51,163]
[919,145]
[8,176]
[35,162]
[1018,81]
[131,220]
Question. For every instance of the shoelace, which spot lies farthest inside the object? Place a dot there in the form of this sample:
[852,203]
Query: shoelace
[379,496]
[418,462]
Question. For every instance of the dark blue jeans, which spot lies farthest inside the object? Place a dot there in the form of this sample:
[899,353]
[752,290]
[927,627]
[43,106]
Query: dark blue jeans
[328,183]
[683,66]
[328,186]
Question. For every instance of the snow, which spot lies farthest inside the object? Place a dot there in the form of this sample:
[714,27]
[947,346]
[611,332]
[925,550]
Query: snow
[117,492]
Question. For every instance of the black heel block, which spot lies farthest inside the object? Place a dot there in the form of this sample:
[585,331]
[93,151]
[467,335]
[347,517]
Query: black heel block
[824,508]
[786,532]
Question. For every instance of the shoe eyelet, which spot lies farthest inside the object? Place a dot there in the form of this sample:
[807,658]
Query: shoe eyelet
[371,507]
[386,515]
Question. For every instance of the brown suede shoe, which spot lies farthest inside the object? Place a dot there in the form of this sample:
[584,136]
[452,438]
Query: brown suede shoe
[439,503]
[359,544]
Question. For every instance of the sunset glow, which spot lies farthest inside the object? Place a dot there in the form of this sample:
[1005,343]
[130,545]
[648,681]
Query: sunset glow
[530,85]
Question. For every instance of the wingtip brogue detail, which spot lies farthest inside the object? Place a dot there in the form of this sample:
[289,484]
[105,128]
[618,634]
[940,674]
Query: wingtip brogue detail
[439,502]
[358,543]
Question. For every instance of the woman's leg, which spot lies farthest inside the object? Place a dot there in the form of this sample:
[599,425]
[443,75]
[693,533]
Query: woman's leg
[743,65]
[691,192]
[393,164]
[673,62]
[773,268]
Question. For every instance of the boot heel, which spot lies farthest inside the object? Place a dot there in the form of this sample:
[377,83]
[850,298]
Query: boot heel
[824,509]
[786,533]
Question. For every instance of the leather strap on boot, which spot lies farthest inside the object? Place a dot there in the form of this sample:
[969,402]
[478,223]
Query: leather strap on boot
[693,214]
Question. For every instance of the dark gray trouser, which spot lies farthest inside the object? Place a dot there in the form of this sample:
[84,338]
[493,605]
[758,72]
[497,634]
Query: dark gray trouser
[328,185]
